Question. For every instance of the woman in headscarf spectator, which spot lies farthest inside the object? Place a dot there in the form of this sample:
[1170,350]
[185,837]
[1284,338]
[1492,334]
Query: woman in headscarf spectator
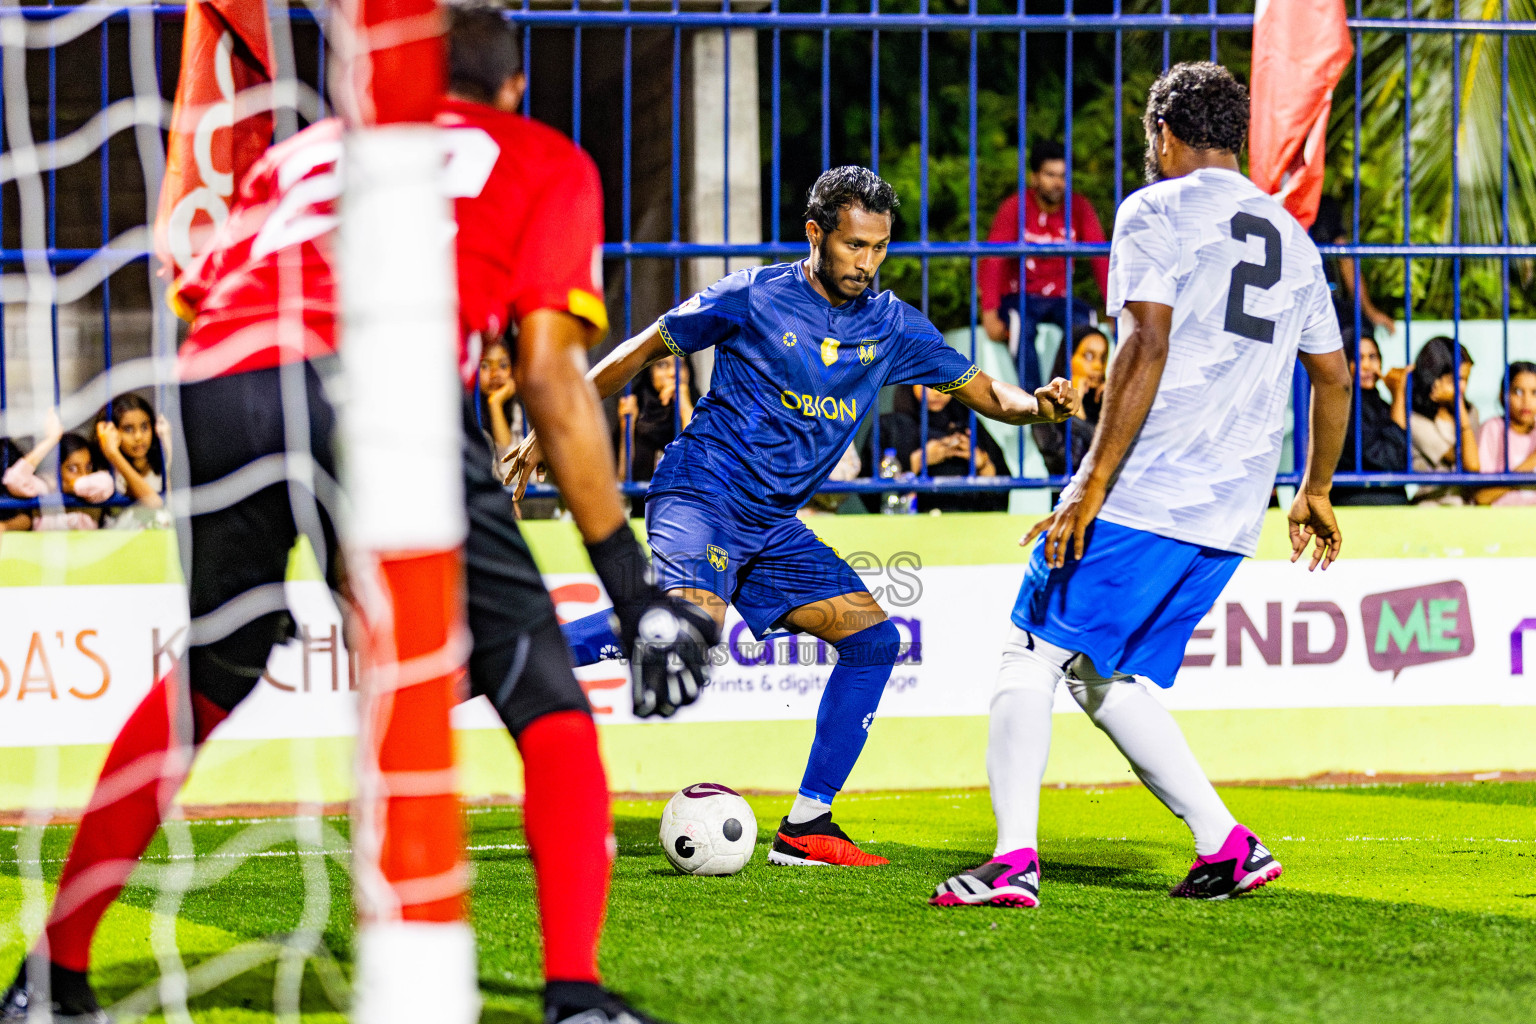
[1089,365]
[658,406]
[948,449]
[1511,449]
[1383,438]
[1434,420]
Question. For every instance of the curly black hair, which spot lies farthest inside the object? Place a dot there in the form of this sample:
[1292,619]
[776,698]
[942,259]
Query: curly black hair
[1202,104]
[841,187]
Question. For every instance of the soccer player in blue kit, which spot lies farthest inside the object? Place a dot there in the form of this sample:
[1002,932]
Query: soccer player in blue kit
[802,351]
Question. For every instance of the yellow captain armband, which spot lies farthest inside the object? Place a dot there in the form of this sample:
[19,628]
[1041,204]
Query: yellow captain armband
[587,306]
[179,305]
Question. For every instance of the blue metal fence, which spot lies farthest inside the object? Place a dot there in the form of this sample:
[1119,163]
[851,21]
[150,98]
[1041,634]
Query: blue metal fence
[558,47]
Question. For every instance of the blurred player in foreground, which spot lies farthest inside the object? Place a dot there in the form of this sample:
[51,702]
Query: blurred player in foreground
[1218,290]
[529,210]
[802,351]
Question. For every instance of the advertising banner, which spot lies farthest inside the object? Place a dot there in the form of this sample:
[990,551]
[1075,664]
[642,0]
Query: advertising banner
[74,660]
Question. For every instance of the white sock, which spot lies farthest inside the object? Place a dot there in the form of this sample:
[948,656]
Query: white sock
[1154,745]
[806,808]
[1019,737]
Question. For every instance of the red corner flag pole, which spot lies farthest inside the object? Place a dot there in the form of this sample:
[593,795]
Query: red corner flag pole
[1300,47]
[415,953]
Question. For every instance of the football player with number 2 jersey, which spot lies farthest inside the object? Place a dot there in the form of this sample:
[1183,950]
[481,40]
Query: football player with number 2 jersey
[801,352]
[1219,291]
[256,373]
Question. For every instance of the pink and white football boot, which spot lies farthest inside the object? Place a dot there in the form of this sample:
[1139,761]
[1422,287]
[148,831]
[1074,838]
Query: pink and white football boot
[1007,880]
[1242,864]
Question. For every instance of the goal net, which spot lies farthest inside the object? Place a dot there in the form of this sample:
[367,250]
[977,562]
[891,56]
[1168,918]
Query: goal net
[127,129]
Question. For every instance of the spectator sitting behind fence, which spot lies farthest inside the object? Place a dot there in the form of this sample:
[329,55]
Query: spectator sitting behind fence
[658,406]
[1433,423]
[1090,358]
[501,417]
[133,445]
[1520,408]
[948,449]
[77,477]
[1383,430]
[1044,296]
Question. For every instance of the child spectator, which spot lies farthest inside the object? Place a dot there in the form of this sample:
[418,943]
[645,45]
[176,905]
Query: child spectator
[1383,439]
[948,449]
[1090,360]
[658,406]
[501,416]
[1433,423]
[77,476]
[1520,408]
[133,444]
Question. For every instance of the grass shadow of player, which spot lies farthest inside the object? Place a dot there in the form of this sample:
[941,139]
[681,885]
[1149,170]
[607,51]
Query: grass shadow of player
[1106,876]
[509,1015]
[130,988]
[638,837]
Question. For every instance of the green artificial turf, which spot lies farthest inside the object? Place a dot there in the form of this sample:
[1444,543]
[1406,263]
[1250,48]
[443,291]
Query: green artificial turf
[1412,903]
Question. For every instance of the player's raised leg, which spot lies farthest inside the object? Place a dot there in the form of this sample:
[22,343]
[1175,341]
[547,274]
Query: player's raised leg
[1018,744]
[867,646]
[1229,859]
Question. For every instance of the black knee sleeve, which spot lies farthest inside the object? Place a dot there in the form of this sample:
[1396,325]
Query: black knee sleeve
[228,669]
[527,675]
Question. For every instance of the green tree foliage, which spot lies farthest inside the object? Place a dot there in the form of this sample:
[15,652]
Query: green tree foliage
[1456,100]
[1095,171]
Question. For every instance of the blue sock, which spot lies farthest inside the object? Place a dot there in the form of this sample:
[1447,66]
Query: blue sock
[864,663]
[592,638]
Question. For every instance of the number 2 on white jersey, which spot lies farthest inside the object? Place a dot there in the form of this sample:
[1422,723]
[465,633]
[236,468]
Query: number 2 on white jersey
[305,211]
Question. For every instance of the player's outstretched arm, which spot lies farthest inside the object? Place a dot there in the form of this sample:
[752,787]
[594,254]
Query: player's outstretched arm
[568,416]
[1135,372]
[620,366]
[1311,513]
[669,638]
[616,369]
[999,400]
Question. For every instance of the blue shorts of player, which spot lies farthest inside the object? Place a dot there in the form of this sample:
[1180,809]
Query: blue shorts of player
[765,563]
[1130,604]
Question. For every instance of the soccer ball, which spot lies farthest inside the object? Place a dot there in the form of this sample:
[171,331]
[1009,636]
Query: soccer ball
[708,829]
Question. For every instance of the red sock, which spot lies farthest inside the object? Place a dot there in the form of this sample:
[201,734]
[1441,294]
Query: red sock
[570,838]
[144,771]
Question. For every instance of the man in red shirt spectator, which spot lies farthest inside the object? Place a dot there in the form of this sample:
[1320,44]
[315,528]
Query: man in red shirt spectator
[1045,296]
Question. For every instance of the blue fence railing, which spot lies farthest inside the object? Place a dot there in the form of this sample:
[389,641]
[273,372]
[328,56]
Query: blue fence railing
[919,90]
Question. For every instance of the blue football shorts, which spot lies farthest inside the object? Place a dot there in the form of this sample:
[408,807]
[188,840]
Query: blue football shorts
[764,565]
[1130,604]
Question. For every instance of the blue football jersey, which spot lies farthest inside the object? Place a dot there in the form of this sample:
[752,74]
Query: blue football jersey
[793,377]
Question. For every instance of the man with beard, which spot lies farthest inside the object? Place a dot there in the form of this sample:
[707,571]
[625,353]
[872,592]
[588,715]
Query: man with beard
[1219,291]
[802,351]
[1043,294]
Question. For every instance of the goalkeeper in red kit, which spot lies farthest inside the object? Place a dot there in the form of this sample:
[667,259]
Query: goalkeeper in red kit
[256,369]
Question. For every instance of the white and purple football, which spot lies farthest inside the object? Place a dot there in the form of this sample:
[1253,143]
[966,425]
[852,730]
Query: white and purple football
[708,829]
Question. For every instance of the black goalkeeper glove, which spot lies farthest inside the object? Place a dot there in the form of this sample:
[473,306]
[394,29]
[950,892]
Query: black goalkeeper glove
[670,664]
[668,639]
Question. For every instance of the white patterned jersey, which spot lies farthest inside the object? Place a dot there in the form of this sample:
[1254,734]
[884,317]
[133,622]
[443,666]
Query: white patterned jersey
[1247,289]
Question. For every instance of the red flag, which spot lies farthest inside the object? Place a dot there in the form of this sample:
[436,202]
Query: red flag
[224,50]
[1300,47]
